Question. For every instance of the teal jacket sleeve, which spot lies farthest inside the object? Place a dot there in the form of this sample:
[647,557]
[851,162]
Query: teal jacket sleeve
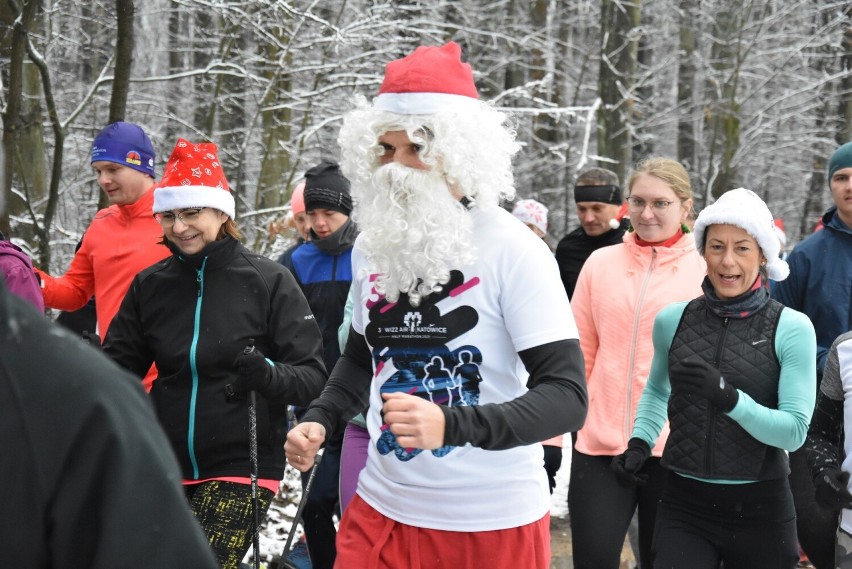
[653,406]
[343,330]
[787,426]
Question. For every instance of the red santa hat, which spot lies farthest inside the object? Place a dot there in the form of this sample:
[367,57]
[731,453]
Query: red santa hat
[193,177]
[430,80]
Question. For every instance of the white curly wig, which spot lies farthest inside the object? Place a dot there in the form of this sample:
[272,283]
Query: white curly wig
[414,241]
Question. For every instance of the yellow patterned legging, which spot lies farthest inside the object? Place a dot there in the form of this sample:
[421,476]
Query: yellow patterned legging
[224,511]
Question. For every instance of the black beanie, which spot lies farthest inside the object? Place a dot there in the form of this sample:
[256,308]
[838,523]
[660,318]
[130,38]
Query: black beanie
[327,188]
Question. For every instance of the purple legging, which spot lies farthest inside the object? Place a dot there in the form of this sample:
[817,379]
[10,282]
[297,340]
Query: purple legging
[353,458]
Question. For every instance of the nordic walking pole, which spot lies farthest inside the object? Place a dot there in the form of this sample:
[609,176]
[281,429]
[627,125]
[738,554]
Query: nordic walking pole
[301,507]
[255,507]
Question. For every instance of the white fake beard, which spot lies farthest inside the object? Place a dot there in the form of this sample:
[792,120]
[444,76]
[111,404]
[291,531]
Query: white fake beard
[413,231]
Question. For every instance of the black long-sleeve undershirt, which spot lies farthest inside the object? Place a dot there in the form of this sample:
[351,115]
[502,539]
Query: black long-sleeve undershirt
[556,402]
[824,442]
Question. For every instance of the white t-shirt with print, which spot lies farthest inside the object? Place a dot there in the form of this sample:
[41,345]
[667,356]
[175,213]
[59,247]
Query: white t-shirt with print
[462,350]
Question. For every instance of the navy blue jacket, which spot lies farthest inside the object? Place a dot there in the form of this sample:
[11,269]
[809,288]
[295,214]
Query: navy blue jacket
[325,279]
[820,282]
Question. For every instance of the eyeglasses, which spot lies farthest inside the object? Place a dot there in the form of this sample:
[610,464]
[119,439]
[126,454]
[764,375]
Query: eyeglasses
[638,204]
[187,216]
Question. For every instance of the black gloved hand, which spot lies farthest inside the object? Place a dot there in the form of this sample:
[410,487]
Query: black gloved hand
[627,465]
[254,373]
[92,339]
[831,489]
[552,462]
[694,375]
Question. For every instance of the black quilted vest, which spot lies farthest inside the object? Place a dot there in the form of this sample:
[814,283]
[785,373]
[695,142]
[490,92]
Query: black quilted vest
[705,442]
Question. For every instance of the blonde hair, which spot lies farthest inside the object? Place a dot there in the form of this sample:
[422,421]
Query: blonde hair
[669,171]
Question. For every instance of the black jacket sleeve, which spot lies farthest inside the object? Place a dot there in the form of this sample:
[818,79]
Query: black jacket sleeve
[347,391]
[822,447]
[555,404]
[296,344]
[125,341]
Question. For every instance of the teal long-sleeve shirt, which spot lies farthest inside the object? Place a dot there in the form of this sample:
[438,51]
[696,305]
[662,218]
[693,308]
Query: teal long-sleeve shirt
[785,427]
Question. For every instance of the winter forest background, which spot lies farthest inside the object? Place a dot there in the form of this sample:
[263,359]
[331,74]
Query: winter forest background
[753,93]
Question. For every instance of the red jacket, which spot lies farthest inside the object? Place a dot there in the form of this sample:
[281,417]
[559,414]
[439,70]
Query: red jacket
[120,242]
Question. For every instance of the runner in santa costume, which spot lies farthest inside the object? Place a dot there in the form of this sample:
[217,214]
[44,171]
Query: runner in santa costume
[461,335]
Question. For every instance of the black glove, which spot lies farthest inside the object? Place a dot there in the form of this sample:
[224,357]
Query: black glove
[552,462]
[694,375]
[831,489]
[254,373]
[92,339]
[627,465]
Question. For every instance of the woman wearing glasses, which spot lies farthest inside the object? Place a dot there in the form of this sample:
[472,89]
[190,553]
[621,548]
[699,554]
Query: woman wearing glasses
[619,292]
[220,323]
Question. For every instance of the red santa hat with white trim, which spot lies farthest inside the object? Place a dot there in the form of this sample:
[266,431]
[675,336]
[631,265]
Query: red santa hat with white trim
[429,80]
[193,177]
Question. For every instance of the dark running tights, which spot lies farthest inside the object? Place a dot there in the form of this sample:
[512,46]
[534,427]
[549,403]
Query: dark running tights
[600,511]
[224,511]
[744,526]
[321,506]
[817,526]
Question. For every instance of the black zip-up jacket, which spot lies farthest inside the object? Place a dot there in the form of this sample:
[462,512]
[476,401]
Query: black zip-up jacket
[192,316]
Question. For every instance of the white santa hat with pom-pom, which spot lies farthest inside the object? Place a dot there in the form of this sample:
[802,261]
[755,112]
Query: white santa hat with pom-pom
[745,209]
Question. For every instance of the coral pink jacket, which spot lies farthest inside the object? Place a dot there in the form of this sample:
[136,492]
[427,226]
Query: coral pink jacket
[619,292]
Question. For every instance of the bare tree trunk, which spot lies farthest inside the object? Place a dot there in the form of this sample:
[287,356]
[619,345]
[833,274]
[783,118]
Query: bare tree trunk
[814,203]
[722,117]
[273,185]
[177,90]
[204,91]
[545,133]
[844,133]
[124,11]
[642,146]
[619,18]
[685,86]
[12,121]
[30,169]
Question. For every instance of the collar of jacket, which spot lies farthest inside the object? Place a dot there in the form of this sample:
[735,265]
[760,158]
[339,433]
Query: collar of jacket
[143,207]
[218,254]
[339,241]
[684,245]
[831,220]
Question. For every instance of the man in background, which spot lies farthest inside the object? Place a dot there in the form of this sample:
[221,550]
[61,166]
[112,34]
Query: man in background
[820,285]
[598,199]
[122,239]
[457,309]
[323,268]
